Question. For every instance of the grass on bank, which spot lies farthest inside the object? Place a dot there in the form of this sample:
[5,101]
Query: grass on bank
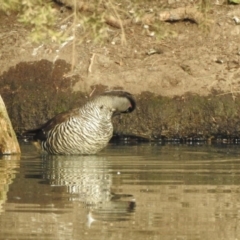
[94,18]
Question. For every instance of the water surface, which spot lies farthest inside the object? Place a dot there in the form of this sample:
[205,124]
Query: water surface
[145,191]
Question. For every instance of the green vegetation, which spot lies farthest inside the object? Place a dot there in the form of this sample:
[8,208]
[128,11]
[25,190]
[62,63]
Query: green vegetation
[88,20]
[39,14]
[91,20]
[234,1]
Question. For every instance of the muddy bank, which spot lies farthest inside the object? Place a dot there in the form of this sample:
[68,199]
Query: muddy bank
[186,78]
[36,91]
[185,118]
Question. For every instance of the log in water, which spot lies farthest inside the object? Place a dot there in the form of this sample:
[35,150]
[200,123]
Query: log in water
[8,139]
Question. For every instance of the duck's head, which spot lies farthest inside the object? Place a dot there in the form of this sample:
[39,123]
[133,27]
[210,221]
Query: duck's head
[119,101]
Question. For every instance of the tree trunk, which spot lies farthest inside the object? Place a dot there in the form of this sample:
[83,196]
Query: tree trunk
[8,140]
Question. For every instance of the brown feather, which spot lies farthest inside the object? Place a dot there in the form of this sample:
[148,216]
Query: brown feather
[40,133]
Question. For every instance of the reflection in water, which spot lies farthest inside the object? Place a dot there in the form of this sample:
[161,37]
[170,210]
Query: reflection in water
[8,166]
[85,176]
[89,179]
[182,192]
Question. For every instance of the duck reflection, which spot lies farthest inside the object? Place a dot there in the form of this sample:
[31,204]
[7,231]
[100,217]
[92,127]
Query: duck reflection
[88,179]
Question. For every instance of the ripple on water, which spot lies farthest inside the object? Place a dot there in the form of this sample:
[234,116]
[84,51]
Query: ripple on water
[126,192]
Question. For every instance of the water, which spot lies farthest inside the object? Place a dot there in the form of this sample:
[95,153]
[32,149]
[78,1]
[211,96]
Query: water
[126,192]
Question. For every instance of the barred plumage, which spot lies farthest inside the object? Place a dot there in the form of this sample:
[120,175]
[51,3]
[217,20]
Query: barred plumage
[85,130]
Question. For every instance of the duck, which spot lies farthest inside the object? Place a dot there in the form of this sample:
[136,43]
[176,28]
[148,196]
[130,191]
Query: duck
[84,130]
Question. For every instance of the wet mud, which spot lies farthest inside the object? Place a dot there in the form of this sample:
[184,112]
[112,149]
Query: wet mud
[36,91]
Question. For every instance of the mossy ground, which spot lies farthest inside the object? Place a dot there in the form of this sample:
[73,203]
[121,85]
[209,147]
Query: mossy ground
[189,117]
[36,91]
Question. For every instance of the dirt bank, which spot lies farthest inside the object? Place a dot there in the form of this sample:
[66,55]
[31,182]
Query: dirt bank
[186,82]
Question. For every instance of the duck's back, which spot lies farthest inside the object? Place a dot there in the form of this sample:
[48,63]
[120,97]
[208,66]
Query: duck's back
[84,133]
[85,130]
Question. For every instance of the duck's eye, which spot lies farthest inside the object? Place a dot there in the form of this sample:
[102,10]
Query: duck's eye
[101,107]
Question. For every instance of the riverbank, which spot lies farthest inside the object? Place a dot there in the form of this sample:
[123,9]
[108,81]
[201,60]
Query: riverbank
[186,80]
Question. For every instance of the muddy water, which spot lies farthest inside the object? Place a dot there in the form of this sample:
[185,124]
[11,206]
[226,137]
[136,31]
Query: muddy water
[125,192]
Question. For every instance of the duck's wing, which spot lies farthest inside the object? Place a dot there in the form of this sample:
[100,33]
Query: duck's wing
[41,132]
